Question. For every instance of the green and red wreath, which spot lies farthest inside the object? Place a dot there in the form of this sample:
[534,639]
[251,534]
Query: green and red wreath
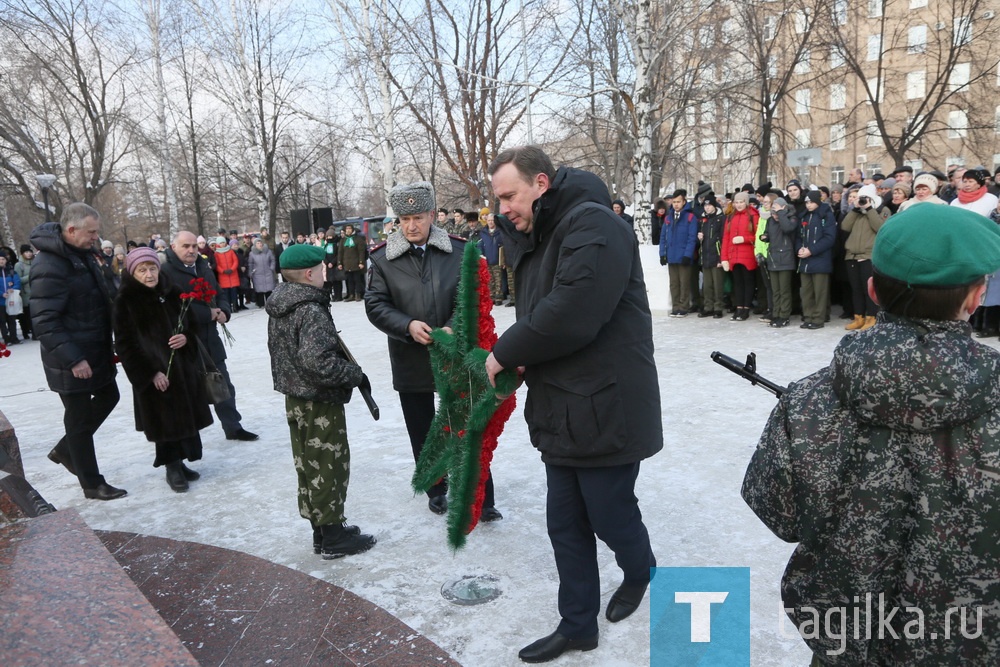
[471,416]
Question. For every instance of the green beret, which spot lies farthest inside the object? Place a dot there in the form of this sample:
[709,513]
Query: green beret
[301,256]
[412,198]
[937,246]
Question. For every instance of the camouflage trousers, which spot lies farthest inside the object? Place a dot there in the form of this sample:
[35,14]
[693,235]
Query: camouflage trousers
[322,458]
[496,292]
[508,275]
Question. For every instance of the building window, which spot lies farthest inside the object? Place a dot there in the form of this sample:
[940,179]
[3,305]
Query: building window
[916,124]
[916,39]
[917,4]
[837,60]
[874,47]
[836,175]
[803,138]
[802,65]
[996,122]
[769,28]
[773,177]
[708,113]
[802,21]
[838,96]
[917,165]
[840,12]
[957,161]
[872,136]
[709,151]
[772,66]
[996,161]
[873,168]
[916,84]
[838,137]
[874,8]
[962,30]
[876,90]
[958,124]
[803,101]
[959,77]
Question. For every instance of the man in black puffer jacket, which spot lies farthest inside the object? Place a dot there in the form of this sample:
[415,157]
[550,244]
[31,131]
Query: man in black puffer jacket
[71,301]
[584,337]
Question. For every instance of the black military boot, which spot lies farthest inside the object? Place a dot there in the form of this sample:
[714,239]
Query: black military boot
[338,542]
[318,536]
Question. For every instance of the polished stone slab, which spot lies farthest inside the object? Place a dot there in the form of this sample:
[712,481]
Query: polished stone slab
[64,600]
[231,608]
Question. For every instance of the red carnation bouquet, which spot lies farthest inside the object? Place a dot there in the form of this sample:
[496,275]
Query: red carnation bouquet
[4,352]
[202,291]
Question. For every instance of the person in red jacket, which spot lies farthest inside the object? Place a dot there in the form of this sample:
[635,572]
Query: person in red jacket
[738,253]
[227,269]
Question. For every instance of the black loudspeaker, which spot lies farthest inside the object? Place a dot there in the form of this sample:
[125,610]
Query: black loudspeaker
[322,217]
[300,222]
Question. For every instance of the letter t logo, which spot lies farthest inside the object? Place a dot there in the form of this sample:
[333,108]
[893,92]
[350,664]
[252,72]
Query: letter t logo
[701,611]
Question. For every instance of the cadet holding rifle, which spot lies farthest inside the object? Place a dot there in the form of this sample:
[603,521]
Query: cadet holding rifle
[316,375]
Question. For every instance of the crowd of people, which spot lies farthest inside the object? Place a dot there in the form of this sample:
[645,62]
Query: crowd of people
[800,250]
[916,257]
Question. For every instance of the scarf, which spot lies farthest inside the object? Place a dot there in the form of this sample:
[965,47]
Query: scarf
[969,197]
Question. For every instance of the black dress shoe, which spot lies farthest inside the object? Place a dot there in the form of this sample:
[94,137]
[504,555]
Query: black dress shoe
[175,477]
[190,475]
[55,457]
[438,504]
[553,646]
[104,492]
[490,514]
[244,435]
[625,601]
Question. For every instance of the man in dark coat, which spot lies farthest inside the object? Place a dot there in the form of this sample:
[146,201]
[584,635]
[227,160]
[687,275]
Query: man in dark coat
[585,341]
[183,265]
[71,315]
[412,285]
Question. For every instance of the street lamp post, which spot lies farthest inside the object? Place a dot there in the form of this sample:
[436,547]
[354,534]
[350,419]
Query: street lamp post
[45,181]
[312,226]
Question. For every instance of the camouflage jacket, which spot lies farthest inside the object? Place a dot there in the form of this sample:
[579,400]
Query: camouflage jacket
[885,468]
[306,358]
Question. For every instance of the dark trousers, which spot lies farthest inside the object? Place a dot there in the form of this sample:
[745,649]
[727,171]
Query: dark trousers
[260,298]
[355,283]
[418,413]
[84,413]
[583,503]
[8,325]
[744,282]
[228,415]
[25,320]
[858,273]
[232,294]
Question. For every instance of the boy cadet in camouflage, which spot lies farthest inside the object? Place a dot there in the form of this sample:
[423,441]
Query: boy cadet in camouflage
[885,466]
[308,367]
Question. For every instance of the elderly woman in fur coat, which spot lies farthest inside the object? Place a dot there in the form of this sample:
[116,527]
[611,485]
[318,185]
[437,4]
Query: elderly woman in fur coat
[169,408]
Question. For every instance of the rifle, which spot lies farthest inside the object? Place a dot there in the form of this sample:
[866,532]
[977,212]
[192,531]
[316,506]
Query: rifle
[365,386]
[748,371]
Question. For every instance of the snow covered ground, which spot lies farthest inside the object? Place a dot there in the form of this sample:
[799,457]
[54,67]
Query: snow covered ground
[689,493]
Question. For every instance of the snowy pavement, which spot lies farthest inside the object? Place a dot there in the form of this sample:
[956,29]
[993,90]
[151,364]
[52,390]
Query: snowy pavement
[245,500]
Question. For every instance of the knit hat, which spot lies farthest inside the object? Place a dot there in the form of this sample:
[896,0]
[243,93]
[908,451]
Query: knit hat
[978,174]
[304,255]
[412,198]
[711,201]
[779,201]
[902,187]
[930,180]
[764,188]
[742,196]
[814,196]
[107,244]
[703,189]
[938,246]
[794,182]
[483,212]
[201,240]
[26,247]
[888,184]
[140,255]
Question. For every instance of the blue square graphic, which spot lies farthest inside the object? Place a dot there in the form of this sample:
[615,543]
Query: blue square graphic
[699,616]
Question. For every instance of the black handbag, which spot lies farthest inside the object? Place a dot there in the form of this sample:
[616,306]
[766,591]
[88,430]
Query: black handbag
[213,383]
